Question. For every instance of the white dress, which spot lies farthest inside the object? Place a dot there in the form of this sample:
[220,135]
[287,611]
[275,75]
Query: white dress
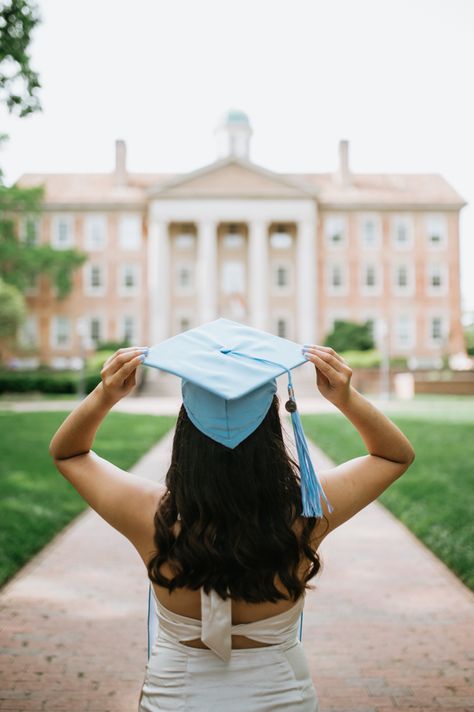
[179,677]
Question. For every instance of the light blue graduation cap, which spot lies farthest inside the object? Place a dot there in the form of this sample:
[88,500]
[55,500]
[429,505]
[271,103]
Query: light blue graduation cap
[228,373]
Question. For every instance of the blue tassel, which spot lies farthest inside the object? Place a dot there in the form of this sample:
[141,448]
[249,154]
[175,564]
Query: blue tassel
[311,488]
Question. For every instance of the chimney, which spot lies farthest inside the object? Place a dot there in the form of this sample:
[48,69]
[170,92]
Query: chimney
[120,163]
[344,172]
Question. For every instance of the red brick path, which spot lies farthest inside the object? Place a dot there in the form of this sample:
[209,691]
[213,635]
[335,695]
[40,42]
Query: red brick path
[387,628]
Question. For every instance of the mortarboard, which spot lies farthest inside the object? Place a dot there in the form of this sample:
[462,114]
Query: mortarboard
[228,377]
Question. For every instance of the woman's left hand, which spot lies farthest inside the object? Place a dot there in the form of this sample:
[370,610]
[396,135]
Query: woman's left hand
[119,372]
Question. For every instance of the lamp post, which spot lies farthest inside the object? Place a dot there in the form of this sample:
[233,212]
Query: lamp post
[81,329]
[383,340]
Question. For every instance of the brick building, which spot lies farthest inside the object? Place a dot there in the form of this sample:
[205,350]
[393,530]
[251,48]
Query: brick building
[288,253]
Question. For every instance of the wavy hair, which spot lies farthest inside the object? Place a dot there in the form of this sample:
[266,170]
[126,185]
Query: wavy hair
[236,510]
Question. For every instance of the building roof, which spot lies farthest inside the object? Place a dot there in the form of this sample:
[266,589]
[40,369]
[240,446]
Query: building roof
[237,177]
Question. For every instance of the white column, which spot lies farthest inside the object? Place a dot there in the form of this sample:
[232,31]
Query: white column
[306,282]
[158,266]
[206,281]
[258,269]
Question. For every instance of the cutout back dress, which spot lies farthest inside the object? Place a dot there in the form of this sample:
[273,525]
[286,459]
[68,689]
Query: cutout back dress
[179,677]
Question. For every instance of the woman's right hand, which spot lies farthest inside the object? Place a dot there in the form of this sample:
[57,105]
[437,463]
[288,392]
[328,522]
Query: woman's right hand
[333,373]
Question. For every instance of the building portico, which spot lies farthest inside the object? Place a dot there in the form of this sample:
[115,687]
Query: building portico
[260,220]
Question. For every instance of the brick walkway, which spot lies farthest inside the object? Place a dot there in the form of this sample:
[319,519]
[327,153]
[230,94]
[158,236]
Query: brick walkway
[387,627]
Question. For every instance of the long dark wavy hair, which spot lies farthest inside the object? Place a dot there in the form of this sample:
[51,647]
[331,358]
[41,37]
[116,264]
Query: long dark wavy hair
[237,510]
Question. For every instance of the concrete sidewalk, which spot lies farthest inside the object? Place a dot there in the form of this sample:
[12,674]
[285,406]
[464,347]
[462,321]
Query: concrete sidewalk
[388,626]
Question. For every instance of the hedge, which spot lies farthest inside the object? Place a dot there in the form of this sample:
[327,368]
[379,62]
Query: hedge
[45,382]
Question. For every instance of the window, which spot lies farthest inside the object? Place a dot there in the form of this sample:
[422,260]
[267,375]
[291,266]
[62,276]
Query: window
[130,232]
[437,279]
[371,279]
[30,229]
[129,279]
[281,276]
[184,323]
[184,278]
[129,329]
[403,282]
[282,328]
[436,231]
[185,240]
[404,331]
[370,231]
[402,232]
[281,239]
[61,332]
[233,277]
[336,278]
[233,239]
[63,232]
[28,333]
[402,276]
[94,279]
[96,330]
[437,330]
[335,229]
[95,227]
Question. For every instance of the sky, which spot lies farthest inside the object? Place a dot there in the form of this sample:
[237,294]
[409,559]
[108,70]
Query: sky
[394,77]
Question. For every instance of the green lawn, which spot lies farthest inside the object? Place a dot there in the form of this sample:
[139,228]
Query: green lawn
[435,497]
[35,501]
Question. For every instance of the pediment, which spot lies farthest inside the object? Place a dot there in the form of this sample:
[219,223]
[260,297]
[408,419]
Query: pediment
[232,177]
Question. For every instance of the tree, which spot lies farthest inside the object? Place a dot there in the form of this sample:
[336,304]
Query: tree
[350,336]
[12,309]
[18,82]
[21,261]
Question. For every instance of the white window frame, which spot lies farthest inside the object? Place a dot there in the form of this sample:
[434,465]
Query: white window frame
[103,327]
[332,289]
[28,333]
[407,220]
[442,290]
[89,220]
[285,315]
[184,241]
[185,290]
[54,333]
[180,314]
[24,221]
[226,281]
[233,241]
[398,343]
[123,239]
[280,289]
[439,218]
[409,289]
[377,289]
[123,289]
[135,340]
[433,343]
[281,240]
[89,290]
[56,220]
[330,228]
[363,218]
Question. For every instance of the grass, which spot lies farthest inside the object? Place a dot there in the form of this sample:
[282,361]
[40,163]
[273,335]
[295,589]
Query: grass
[435,497]
[36,502]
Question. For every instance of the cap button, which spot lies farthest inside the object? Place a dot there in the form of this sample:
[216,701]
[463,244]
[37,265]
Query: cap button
[225,350]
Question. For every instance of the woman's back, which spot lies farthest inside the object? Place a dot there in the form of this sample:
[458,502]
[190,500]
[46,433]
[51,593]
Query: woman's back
[187,602]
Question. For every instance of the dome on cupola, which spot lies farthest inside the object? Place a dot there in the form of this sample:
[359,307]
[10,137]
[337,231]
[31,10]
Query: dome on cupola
[233,134]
